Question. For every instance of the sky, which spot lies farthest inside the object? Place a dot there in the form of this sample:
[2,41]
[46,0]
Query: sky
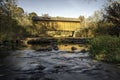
[62,8]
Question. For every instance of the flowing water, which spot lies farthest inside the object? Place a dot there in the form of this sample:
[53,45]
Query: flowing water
[63,64]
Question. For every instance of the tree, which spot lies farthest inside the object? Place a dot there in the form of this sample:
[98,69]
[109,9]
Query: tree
[112,15]
[3,7]
[19,12]
[32,14]
[12,2]
[82,18]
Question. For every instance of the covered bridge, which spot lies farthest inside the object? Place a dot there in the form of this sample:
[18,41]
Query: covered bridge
[57,26]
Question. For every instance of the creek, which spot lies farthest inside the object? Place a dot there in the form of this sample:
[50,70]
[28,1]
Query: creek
[68,62]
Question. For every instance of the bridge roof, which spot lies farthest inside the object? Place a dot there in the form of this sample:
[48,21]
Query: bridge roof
[41,18]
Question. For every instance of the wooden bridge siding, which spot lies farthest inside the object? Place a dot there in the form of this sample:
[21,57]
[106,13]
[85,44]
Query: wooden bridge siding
[68,26]
[59,25]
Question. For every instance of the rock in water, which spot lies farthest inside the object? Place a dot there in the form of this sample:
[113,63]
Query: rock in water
[55,48]
[83,51]
[73,48]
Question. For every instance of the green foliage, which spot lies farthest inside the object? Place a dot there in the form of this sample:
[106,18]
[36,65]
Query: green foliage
[104,28]
[6,28]
[16,25]
[109,23]
[32,14]
[112,15]
[10,30]
[106,48]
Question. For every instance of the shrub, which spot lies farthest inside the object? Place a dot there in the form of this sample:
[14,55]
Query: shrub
[105,48]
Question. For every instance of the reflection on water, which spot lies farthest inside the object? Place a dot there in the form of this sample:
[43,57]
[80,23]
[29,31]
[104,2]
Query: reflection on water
[62,47]
[67,47]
